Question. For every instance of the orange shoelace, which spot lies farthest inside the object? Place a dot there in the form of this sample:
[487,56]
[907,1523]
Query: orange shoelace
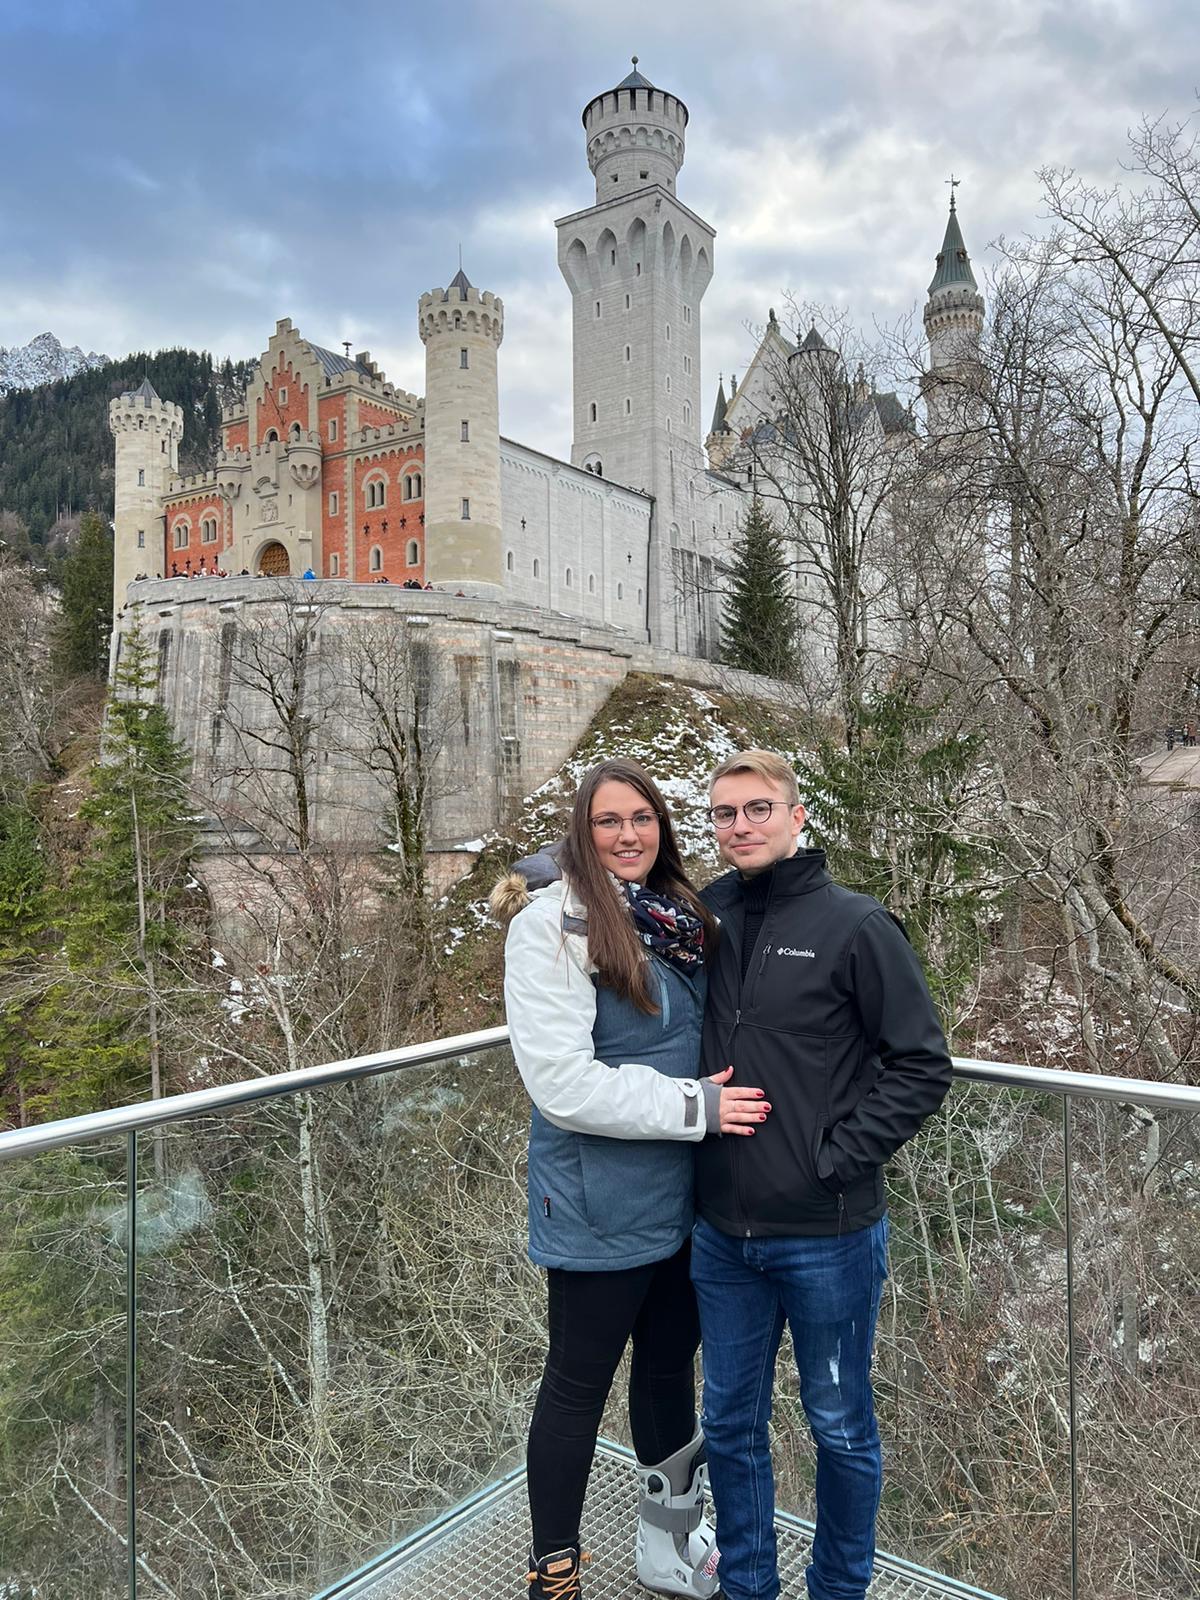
[561,1585]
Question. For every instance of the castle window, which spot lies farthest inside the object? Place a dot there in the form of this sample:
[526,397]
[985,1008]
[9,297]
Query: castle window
[412,486]
[466,510]
[687,313]
[592,411]
[591,583]
[464,358]
[283,396]
[668,383]
[644,175]
[141,538]
[568,577]
[271,437]
[334,503]
[628,406]
[376,493]
[629,352]
[668,333]
[612,254]
[458,319]
[628,302]
[162,449]
[599,469]
[637,270]
[294,432]
[208,530]
[639,597]
[597,308]
[508,562]
[141,477]
[620,591]
[537,567]
[183,534]
[687,363]
[376,562]
[464,430]
[669,425]
[332,429]
[335,565]
[687,413]
[412,554]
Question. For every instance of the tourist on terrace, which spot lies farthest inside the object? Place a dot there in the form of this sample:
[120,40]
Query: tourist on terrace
[604,990]
[815,993]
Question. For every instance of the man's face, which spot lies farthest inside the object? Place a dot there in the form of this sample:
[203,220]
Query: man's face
[754,846]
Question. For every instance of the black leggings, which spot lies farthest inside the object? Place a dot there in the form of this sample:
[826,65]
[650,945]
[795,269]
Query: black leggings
[592,1317]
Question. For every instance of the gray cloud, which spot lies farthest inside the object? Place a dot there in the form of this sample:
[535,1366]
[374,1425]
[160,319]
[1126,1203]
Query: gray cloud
[190,178]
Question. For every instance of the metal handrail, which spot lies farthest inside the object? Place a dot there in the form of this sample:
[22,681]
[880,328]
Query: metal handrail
[203,1102]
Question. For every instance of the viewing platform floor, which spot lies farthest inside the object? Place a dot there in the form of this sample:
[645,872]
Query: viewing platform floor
[478,1550]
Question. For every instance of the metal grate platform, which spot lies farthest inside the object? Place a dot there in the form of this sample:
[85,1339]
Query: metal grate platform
[478,1550]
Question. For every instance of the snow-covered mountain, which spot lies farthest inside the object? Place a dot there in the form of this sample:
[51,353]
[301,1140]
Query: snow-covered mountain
[43,360]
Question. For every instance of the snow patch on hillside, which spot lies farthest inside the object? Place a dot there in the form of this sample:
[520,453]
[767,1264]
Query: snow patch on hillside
[43,360]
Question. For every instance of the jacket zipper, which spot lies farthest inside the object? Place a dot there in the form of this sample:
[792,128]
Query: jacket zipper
[737,1019]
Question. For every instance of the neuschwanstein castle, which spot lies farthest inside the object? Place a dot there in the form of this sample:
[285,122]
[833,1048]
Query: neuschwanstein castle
[574,570]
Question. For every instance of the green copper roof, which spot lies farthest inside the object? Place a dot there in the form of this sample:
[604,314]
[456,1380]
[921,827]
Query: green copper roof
[953,262]
[718,421]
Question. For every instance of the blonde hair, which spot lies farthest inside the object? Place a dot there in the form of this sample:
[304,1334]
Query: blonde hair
[767,765]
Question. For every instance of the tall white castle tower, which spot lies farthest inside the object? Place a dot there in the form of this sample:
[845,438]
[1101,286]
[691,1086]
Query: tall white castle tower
[637,264]
[953,327]
[461,329]
[147,432]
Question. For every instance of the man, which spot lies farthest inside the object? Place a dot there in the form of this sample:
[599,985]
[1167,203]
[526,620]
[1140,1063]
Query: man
[815,994]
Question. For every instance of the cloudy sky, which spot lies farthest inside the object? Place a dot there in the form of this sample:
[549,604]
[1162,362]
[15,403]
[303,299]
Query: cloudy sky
[187,174]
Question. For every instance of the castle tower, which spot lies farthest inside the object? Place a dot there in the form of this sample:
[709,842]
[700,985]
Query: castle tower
[953,327]
[147,431]
[637,263]
[461,329]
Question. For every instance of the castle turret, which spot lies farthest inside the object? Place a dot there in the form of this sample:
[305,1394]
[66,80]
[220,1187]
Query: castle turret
[953,326]
[147,431]
[461,328]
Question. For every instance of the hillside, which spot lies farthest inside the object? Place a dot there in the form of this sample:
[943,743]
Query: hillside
[56,452]
[43,360]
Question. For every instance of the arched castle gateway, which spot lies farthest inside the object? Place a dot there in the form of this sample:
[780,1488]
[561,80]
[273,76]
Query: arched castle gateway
[615,557]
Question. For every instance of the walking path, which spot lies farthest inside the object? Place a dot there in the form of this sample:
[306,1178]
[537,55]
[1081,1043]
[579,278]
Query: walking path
[1180,769]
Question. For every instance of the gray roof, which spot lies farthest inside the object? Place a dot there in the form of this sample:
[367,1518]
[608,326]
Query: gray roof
[635,80]
[813,340]
[461,282]
[953,262]
[333,365]
[719,425]
[894,414]
[145,392]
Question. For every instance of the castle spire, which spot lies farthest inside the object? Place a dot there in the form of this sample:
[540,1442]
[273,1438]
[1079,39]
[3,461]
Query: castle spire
[953,263]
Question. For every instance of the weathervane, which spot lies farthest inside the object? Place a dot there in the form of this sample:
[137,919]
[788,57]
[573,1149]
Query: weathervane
[954,183]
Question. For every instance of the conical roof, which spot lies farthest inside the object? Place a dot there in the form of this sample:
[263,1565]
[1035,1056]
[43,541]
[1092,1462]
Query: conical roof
[953,262]
[719,425]
[461,282]
[813,341]
[145,392]
[635,79]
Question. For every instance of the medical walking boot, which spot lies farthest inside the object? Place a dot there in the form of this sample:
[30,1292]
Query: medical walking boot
[676,1545]
[556,1576]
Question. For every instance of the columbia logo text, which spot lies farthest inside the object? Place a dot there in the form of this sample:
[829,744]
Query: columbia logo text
[786,950]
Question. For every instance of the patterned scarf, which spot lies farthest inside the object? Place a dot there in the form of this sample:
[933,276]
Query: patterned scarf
[666,927]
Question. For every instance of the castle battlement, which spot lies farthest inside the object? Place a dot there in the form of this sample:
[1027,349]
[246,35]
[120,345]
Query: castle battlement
[404,430]
[461,307]
[134,412]
[190,483]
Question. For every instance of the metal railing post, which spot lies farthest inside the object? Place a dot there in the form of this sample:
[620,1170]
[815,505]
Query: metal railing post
[131,1360]
[1072,1399]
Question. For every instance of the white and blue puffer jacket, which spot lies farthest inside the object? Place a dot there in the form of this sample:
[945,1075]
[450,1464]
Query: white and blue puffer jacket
[617,1106]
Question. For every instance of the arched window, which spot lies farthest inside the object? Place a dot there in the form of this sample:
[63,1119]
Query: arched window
[294,432]
[592,411]
[620,591]
[335,565]
[271,436]
[412,554]
[376,562]
[687,413]
[208,530]
[412,485]
[629,352]
[375,491]
[591,583]
[537,567]
[639,597]
[509,562]
[183,533]
[628,406]
[568,578]
[599,469]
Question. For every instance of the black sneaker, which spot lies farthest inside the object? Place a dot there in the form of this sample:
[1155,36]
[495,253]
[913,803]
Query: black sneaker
[556,1576]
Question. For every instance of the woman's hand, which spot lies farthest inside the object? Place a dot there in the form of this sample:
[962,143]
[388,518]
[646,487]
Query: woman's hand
[741,1109]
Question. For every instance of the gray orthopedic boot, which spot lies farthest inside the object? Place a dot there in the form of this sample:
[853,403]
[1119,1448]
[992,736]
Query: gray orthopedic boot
[676,1546]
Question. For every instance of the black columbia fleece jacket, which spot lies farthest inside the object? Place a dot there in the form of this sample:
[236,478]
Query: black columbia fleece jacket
[834,1020]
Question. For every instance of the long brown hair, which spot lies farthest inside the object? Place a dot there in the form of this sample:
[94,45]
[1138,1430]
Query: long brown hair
[613,944]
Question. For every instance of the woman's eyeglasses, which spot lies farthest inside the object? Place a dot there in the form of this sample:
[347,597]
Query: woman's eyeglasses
[643,821]
[753,810]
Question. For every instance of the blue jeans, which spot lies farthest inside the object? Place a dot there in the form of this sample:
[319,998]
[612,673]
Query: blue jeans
[827,1290]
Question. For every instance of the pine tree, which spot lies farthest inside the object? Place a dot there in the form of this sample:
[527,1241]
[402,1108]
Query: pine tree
[87,581]
[759,624]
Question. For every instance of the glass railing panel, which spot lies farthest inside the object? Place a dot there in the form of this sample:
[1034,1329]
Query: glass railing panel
[1136,1225]
[971,1353]
[340,1333]
[63,1487]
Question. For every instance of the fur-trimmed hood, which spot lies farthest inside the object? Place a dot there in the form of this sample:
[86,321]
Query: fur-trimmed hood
[512,893]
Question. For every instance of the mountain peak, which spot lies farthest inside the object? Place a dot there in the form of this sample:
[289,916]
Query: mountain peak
[43,360]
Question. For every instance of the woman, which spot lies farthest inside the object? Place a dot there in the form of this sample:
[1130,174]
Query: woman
[604,990]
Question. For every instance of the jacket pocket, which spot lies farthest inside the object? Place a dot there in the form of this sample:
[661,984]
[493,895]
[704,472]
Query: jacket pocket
[635,1187]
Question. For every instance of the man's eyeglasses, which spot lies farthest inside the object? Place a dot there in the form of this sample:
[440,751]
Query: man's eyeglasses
[643,821]
[754,811]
